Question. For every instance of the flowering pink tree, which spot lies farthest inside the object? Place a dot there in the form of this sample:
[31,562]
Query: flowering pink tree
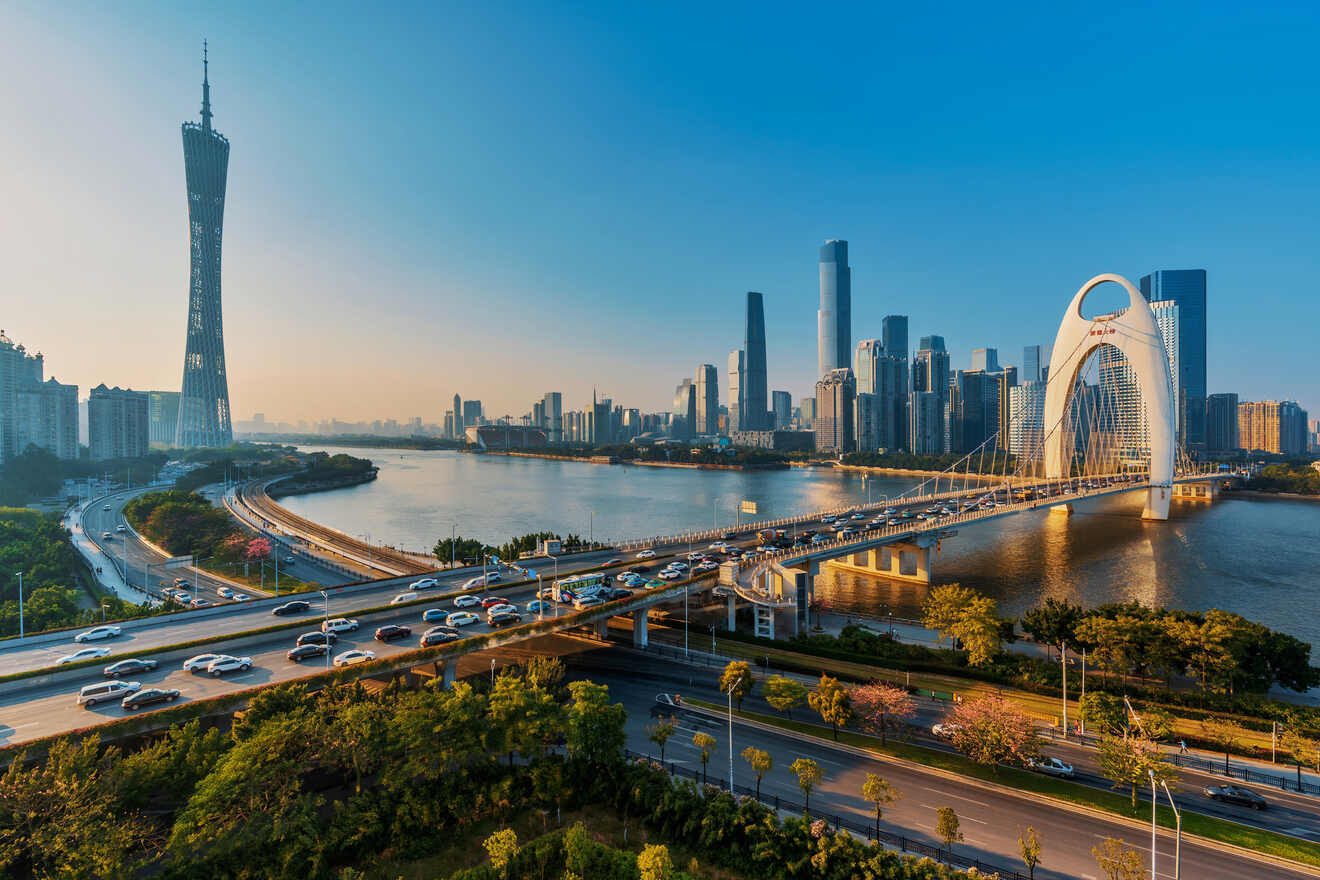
[257,549]
[993,731]
[882,705]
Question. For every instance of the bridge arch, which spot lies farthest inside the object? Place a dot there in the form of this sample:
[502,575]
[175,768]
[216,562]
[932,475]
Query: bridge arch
[1133,332]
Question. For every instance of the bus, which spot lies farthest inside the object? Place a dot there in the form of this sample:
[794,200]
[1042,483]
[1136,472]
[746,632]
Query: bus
[569,588]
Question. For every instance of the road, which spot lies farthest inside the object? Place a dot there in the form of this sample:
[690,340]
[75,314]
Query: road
[991,819]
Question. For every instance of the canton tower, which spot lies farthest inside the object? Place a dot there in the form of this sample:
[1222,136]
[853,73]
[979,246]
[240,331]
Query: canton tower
[204,403]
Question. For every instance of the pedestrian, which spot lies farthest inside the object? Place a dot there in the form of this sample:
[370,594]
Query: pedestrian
[1182,746]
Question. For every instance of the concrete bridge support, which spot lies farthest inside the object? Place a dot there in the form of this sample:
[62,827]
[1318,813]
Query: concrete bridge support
[733,613]
[447,676]
[907,561]
[601,629]
[1201,490]
[639,628]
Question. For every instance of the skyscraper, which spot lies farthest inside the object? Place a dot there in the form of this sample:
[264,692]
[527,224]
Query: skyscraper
[755,390]
[1186,287]
[1031,364]
[552,412]
[1272,426]
[164,416]
[684,412]
[783,409]
[204,401]
[737,391]
[869,351]
[894,332]
[836,393]
[118,423]
[1221,422]
[930,375]
[834,319]
[986,360]
[458,418]
[708,400]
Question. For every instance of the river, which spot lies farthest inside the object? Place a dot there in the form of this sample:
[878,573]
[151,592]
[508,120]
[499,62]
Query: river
[1259,558]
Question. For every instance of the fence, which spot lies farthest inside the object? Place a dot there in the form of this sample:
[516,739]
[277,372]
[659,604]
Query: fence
[865,830]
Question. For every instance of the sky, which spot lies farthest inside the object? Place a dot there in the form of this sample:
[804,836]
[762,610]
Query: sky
[504,199]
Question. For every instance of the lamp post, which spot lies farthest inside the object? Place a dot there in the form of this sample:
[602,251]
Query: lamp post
[715,515]
[370,572]
[20,606]
[492,672]
[325,629]
[540,598]
[729,693]
[686,654]
[1153,804]
[712,638]
[591,530]
[1177,840]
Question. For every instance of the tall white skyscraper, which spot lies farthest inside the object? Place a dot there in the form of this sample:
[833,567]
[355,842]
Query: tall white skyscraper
[708,400]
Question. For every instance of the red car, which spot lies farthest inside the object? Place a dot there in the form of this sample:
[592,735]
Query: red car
[492,601]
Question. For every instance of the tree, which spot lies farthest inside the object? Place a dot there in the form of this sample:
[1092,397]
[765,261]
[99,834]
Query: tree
[1117,861]
[595,728]
[256,550]
[993,731]
[761,764]
[1053,623]
[947,829]
[1205,645]
[738,676]
[660,732]
[1224,734]
[1303,749]
[463,549]
[1130,761]
[880,705]
[706,744]
[878,792]
[1157,723]
[784,694]
[832,702]
[502,846]
[544,672]
[944,607]
[980,631]
[508,709]
[653,863]
[809,776]
[1029,847]
[1103,712]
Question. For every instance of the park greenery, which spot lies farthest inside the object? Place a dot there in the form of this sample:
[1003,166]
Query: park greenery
[185,523]
[324,471]
[1294,477]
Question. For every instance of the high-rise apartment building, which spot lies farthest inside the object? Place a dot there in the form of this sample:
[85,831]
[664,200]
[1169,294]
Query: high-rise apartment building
[1187,288]
[756,391]
[807,413]
[458,419]
[930,374]
[835,423]
[985,360]
[17,369]
[926,423]
[894,334]
[48,418]
[1272,426]
[737,391]
[119,423]
[204,418]
[974,411]
[1026,421]
[783,409]
[163,411]
[1221,422]
[1031,364]
[708,400]
[834,319]
[866,422]
[552,413]
[883,374]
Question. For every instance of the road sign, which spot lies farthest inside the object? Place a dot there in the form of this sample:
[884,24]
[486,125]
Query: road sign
[748,507]
[179,562]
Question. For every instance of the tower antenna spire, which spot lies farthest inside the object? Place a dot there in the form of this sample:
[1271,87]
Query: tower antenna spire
[206,89]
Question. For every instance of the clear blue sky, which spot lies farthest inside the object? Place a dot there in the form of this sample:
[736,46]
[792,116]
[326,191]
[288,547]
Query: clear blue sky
[504,199]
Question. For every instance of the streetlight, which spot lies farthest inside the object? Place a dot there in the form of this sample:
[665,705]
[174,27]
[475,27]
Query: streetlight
[492,672]
[325,630]
[1153,804]
[540,598]
[712,638]
[1177,818]
[591,530]
[715,515]
[735,683]
[371,574]
[20,605]
[453,543]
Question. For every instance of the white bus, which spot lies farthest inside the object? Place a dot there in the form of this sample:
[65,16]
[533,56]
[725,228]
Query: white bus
[569,588]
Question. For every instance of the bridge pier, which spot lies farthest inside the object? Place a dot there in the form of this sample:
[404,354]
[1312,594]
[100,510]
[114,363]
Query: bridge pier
[447,675]
[1157,503]
[1062,509]
[1201,490]
[906,561]
[601,629]
[639,628]
[733,612]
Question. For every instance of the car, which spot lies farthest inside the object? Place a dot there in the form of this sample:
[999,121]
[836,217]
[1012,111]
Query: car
[694,556]
[678,565]
[439,637]
[225,663]
[461,618]
[1235,794]
[503,606]
[290,560]
[645,554]
[317,638]
[84,654]
[433,615]
[242,597]
[297,606]
[107,507]
[180,582]
[1051,767]
[200,603]
[670,574]
[306,652]
[538,606]
[845,534]
[442,628]
[827,518]
[859,515]
[615,561]
[653,583]
[97,633]
[339,625]
[124,667]
[716,545]
[945,730]
[391,631]
[403,597]
[424,584]
[820,539]
[199,662]
[587,602]
[708,565]
[352,658]
[504,618]
[616,593]
[106,536]
[492,601]
[92,694]
[149,696]
[466,601]
[120,528]
[225,593]
[634,580]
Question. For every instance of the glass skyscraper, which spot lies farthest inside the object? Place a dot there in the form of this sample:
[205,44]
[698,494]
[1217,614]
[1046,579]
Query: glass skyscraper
[756,403]
[834,319]
[1186,287]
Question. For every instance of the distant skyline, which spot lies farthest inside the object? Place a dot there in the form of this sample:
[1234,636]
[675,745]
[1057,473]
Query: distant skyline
[426,201]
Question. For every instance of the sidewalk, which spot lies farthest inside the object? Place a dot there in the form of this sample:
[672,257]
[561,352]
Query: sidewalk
[104,568]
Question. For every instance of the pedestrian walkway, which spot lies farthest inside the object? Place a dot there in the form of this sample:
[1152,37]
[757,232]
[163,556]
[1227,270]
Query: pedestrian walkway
[105,568]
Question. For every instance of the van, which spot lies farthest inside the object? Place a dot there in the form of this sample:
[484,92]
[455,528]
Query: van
[403,597]
[104,691]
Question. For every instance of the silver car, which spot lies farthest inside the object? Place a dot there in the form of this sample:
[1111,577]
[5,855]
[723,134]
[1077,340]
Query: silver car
[220,665]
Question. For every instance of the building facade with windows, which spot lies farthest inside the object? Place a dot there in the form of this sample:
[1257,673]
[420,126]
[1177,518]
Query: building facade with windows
[118,422]
[836,393]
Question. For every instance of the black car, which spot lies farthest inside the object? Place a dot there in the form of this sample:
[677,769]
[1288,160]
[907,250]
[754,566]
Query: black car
[729,536]
[1235,794]
[613,593]
[124,667]
[147,696]
[504,618]
[389,632]
[317,638]
[306,652]
[295,607]
[439,637]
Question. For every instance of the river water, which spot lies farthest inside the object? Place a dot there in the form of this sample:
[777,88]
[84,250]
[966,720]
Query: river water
[1259,558]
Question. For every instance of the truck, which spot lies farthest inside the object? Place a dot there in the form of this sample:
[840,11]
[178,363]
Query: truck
[769,535]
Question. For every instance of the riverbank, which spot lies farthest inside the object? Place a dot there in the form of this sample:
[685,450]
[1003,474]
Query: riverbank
[294,486]
[1258,495]
[609,459]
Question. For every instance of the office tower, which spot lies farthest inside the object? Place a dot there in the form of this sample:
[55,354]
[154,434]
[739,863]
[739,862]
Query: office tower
[537,417]
[449,424]
[1031,364]
[755,388]
[1272,426]
[458,418]
[865,359]
[1026,421]
[471,413]
[737,386]
[986,360]
[834,319]
[974,409]
[164,415]
[930,374]
[118,423]
[783,409]
[204,401]
[599,428]
[884,375]
[894,335]
[48,418]
[684,414]
[1221,422]
[1187,288]
[926,423]
[835,398]
[807,413]
[866,422]
[552,406]
[708,400]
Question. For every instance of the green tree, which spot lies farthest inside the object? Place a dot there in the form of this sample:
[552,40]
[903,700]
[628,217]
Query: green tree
[653,863]
[660,732]
[832,702]
[878,792]
[1157,723]
[595,728]
[1103,712]
[947,829]
[544,672]
[1205,645]
[1029,848]
[705,743]
[1130,761]
[784,694]
[944,608]
[980,631]
[809,776]
[761,764]
[462,549]
[1304,749]
[1053,623]
[738,676]
[1224,734]
[502,847]
[1117,861]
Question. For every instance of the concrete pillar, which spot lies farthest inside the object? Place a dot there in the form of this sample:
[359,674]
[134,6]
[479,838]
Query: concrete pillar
[923,572]
[1062,509]
[639,628]
[447,677]
[602,629]
[733,608]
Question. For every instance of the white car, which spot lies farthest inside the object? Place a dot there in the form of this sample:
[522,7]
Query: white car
[242,597]
[403,597]
[225,593]
[352,658]
[717,545]
[944,730]
[676,565]
[503,606]
[96,633]
[461,618]
[466,601]
[669,574]
[587,602]
[120,528]
[424,584]
[645,554]
[1052,767]
[200,662]
[339,625]
[84,654]
[220,665]
[708,565]
[694,555]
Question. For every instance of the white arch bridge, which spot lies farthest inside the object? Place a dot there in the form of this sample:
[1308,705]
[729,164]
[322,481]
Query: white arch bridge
[1108,437]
